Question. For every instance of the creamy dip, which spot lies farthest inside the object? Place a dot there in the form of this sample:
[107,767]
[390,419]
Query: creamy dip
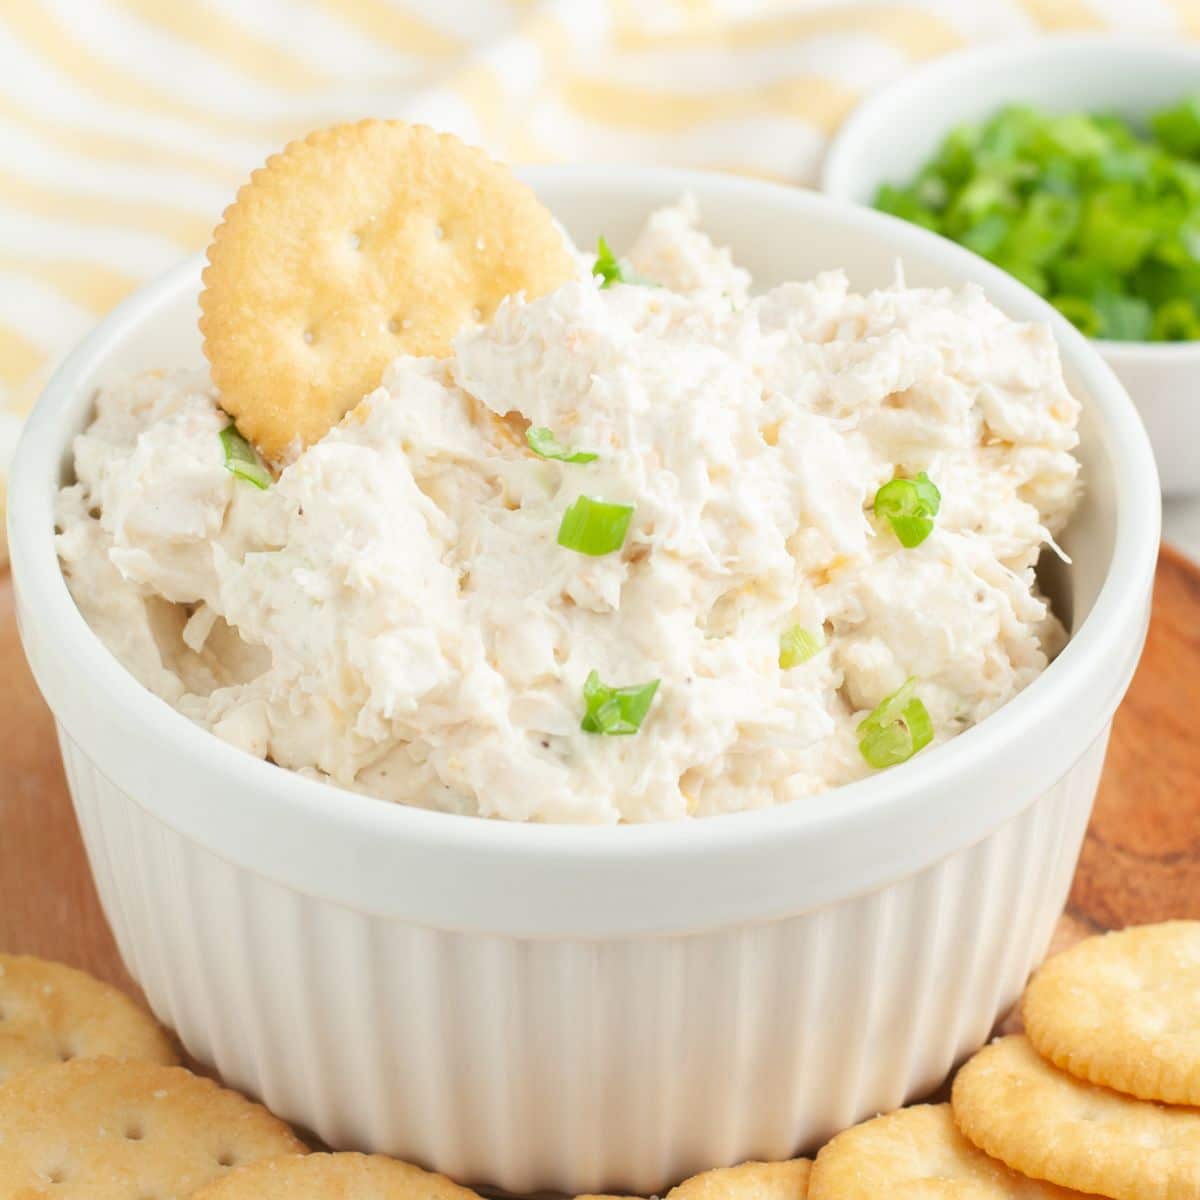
[395,614]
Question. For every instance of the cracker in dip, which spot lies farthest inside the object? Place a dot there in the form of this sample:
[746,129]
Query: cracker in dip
[404,611]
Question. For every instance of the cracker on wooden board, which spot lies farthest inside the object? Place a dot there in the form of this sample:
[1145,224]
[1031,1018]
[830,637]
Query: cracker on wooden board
[354,245]
[1123,1010]
[109,1129]
[917,1154]
[786,1180]
[1045,1123]
[50,1013]
[334,1177]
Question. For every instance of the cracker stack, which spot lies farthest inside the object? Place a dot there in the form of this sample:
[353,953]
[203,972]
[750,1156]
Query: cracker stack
[92,1105]
[50,1013]
[1091,1100]
[1093,1096]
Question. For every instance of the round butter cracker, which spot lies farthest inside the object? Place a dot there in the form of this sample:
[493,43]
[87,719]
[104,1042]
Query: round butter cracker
[917,1154]
[1123,1010]
[350,247]
[786,1180]
[1047,1124]
[109,1129]
[334,1177]
[50,1013]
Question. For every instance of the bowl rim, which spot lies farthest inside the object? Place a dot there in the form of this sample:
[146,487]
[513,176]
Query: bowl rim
[882,827]
[941,73]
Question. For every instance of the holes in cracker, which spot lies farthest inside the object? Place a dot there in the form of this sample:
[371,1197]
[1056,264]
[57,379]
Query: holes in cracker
[56,1175]
[226,1158]
[398,325]
[355,241]
[439,233]
[65,1052]
[133,1130]
[477,315]
[309,337]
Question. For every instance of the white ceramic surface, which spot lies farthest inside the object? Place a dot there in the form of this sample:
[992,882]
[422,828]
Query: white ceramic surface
[585,1008]
[890,137]
[1181,525]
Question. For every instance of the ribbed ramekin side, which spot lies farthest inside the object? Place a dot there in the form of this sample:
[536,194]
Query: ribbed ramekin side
[572,1065]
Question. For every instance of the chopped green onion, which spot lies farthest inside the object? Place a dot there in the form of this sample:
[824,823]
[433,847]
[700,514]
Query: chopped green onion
[241,459]
[1078,136]
[1114,231]
[1077,276]
[798,645]
[932,191]
[909,206]
[607,265]
[1032,277]
[1178,128]
[545,445]
[613,711]
[1098,214]
[896,729]
[984,195]
[1080,312]
[594,527]
[1043,229]
[909,505]
[1123,318]
[987,235]
[612,270]
[1177,321]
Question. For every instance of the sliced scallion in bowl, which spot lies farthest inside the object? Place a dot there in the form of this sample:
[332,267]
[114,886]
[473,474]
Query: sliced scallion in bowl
[1099,216]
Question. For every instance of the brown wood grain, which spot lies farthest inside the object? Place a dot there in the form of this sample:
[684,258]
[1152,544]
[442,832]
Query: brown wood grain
[1141,860]
[48,905]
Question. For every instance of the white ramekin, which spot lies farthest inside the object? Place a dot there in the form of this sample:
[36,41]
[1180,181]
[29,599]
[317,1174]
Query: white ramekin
[541,1007]
[890,137]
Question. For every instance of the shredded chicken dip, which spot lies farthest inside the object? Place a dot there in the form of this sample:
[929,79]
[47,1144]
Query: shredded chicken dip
[395,613]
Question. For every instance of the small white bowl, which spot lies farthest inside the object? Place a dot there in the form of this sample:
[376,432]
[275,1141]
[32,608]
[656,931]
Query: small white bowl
[897,131]
[594,1009]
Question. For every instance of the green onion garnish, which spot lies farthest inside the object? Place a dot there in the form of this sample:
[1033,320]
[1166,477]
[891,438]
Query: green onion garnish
[612,270]
[798,645]
[545,445]
[909,506]
[607,265]
[241,459]
[615,710]
[594,527]
[896,729]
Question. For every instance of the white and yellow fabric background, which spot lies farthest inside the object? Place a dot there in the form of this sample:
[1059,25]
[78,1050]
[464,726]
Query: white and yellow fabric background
[126,125]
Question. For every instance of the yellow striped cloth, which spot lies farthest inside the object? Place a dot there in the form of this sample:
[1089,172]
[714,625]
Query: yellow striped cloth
[127,124]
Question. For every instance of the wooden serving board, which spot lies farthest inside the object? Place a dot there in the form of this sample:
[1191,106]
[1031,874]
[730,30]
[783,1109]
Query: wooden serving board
[1141,860]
